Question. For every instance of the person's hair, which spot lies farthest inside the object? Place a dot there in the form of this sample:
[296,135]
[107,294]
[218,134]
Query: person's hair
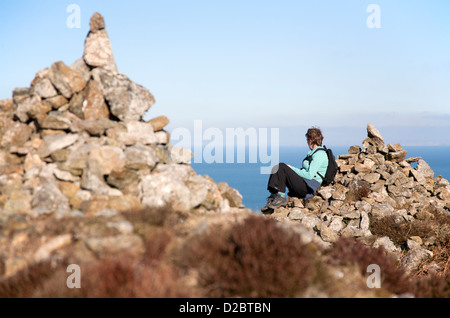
[314,135]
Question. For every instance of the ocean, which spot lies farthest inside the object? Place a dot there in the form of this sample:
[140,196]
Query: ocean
[247,179]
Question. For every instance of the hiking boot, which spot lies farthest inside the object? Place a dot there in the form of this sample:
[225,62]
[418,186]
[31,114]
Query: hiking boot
[277,201]
[267,209]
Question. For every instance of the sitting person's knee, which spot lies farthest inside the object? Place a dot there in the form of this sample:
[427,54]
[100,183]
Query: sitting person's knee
[279,166]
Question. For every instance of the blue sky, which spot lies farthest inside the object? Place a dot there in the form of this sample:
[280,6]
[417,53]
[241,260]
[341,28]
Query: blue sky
[288,64]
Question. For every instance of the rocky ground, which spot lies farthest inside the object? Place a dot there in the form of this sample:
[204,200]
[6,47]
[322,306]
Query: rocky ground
[84,180]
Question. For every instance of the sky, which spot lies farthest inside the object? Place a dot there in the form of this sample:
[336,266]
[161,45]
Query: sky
[285,64]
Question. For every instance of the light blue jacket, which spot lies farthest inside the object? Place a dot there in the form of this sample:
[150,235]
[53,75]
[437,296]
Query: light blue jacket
[319,164]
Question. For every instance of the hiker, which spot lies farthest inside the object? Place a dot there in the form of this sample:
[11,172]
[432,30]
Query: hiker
[301,183]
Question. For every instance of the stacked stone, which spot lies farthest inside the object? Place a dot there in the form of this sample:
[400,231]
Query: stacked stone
[373,181]
[74,144]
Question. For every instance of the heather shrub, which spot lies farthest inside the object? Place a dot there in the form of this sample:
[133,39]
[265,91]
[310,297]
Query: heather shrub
[441,254]
[358,189]
[255,258]
[436,285]
[399,232]
[24,283]
[113,276]
[118,277]
[164,216]
[348,252]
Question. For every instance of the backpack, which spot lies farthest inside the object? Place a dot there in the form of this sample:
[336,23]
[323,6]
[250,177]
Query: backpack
[331,169]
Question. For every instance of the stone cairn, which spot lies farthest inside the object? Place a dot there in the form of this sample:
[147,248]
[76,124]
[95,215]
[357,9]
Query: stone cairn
[374,181]
[74,144]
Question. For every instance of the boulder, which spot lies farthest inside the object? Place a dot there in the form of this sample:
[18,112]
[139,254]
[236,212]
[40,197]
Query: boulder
[65,79]
[127,100]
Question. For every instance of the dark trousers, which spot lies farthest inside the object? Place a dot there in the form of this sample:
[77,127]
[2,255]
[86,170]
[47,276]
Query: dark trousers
[282,176]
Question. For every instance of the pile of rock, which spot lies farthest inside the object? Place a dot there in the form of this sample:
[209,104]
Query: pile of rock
[74,144]
[373,181]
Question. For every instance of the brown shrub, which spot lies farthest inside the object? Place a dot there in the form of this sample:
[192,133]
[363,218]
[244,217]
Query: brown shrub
[441,254]
[399,232]
[130,278]
[358,189]
[118,277]
[254,259]
[164,216]
[24,283]
[348,251]
[436,285]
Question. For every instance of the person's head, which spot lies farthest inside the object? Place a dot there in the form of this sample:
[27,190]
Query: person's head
[314,137]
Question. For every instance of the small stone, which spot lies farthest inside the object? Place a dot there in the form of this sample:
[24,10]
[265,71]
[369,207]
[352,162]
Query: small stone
[7,106]
[351,215]
[297,214]
[44,88]
[372,132]
[326,192]
[159,123]
[413,258]
[52,245]
[180,155]
[53,120]
[397,156]
[49,199]
[66,80]
[162,137]
[24,106]
[365,222]
[394,148]
[81,67]
[326,233]
[362,168]
[354,150]
[372,177]
[51,144]
[97,22]
[336,224]
[57,101]
[387,244]
[94,106]
[413,242]
[424,169]
[232,195]
[139,157]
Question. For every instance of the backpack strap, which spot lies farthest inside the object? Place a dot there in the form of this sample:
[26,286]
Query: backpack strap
[309,158]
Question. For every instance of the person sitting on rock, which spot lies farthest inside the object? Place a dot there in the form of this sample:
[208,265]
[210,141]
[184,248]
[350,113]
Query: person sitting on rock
[301,183]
